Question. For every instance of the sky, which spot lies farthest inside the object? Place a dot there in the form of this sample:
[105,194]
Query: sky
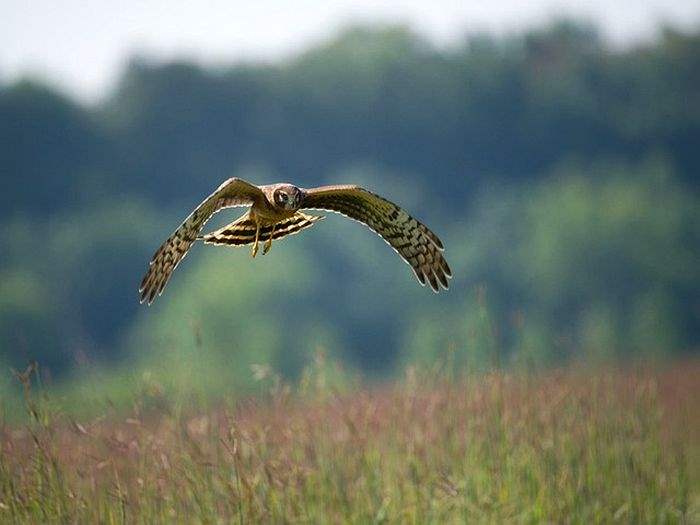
[81,46]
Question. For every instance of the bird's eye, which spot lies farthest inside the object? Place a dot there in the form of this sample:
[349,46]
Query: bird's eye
[281,197]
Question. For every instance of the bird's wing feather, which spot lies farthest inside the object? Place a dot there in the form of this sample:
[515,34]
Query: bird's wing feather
[233,192]
[410,238]
[242,231]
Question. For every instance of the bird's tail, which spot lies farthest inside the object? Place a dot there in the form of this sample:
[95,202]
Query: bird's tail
[242,231]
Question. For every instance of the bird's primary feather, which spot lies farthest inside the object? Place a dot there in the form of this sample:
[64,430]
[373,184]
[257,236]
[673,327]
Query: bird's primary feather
[233,192]
[411,239]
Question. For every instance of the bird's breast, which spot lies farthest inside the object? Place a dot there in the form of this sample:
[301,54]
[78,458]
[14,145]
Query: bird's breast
[270,213]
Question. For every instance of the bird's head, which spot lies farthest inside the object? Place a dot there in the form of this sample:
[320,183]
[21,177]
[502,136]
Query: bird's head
[287,197]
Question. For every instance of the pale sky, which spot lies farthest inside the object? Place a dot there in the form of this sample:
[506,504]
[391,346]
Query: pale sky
[82,45]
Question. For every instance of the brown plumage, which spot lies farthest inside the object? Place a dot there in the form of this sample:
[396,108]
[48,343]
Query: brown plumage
[275,213]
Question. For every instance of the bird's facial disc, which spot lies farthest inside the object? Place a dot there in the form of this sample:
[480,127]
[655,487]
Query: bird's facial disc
[288,198]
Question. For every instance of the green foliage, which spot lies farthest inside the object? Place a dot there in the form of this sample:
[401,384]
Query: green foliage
[50,149]
[63,282]
[605,255]
[528,154]
[582,266]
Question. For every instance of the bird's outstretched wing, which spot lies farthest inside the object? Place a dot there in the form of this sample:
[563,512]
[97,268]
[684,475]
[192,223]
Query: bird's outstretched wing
[233,192]
[411,239]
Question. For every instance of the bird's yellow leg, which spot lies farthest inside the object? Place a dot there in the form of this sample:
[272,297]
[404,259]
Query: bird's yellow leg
[257,238]
[268,243]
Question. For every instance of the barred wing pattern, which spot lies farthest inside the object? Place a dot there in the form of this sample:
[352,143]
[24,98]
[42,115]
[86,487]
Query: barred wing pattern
[411,239]
[242,231]
[233,192]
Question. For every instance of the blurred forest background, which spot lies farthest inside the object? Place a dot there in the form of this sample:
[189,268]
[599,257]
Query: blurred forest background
[561,173]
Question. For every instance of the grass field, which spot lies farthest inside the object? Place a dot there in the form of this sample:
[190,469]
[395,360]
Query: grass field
[571,446]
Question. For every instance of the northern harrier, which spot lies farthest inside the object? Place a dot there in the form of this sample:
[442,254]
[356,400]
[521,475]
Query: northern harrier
[275,212]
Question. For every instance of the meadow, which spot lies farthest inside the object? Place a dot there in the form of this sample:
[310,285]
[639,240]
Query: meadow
[575,445]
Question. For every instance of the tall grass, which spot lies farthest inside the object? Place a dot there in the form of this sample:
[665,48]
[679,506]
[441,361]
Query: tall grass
[578,446]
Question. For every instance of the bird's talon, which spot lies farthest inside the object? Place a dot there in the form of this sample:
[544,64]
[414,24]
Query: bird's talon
[268,242]
[257,239]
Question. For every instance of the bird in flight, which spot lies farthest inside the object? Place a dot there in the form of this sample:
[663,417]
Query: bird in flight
[275,211]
